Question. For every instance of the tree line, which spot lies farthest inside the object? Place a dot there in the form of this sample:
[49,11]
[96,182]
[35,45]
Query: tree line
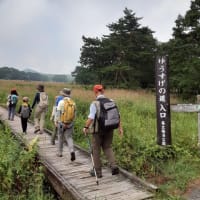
[125,58]
[9,73]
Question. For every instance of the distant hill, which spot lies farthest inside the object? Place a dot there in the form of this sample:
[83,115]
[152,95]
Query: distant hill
[10,73]
[30,70]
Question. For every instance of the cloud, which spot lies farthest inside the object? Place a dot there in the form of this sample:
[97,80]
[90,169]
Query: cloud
[46,35]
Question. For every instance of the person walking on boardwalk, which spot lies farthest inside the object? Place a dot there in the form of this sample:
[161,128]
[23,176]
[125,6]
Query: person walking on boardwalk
[102,136]
[52,118]
[65,116]
[12,100]
[41,102]
[25,113]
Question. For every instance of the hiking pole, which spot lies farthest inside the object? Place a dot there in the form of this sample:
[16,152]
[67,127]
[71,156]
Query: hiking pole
[90,151]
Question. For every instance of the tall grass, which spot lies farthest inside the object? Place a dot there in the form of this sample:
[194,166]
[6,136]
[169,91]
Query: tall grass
[21,176]
[172,168]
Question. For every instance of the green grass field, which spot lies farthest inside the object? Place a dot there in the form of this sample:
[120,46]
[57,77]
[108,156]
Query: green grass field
[171,168]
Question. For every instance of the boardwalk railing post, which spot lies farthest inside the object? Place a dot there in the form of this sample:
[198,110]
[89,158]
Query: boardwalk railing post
[198,102]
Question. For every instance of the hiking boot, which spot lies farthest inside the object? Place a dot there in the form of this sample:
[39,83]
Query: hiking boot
[115,170]
[59,154]
[73,157]
[99,174]
[36,131]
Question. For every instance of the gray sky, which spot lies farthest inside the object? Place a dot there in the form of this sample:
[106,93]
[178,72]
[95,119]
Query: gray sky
[46,35]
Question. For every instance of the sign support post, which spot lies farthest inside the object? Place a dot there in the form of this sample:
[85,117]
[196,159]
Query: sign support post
[162,101]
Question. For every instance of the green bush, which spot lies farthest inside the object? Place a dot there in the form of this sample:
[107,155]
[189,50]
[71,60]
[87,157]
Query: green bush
[21,175]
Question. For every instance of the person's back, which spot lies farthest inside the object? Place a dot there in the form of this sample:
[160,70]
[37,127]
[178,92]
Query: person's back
[102,137]
[52,118]
[12,100]
[64,125]
[25,112]
[41,102]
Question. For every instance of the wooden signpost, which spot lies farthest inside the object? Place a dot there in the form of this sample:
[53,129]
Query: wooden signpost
[162,102]
[163,106]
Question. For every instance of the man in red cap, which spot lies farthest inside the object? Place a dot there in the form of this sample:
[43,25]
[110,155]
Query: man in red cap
[100,138]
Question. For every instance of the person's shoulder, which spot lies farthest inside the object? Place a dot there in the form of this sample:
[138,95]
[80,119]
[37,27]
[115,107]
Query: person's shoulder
[61,102]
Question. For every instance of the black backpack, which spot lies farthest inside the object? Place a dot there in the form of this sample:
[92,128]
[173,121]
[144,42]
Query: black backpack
[109,117]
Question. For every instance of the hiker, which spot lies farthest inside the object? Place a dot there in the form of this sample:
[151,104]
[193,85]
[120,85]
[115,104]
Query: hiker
[65,116]
[52,118]
[100,138]
[41,102]
[25,113]
[12,100]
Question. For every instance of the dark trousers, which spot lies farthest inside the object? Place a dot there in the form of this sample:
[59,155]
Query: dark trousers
[103,141]
[11,111]
[24,122]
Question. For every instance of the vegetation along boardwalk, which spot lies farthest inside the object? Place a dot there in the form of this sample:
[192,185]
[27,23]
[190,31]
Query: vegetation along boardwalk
[71,179]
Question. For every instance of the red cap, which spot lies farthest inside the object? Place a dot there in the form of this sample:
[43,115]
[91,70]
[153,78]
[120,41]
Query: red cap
[97,88]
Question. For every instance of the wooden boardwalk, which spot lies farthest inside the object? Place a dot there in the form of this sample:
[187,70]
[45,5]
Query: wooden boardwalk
[71,179]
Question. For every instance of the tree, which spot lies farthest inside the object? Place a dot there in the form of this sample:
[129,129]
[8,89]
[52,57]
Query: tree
[184,51]
[125,57]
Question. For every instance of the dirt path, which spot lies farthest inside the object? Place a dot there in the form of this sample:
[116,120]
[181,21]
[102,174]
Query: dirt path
[193,190]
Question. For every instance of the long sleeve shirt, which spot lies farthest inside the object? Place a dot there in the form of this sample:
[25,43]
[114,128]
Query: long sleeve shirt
[36,100]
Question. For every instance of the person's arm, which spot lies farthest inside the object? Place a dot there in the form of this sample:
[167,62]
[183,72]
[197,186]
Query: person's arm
[58,112]
[20,108]
[36,99]
[90,119]
[29,110]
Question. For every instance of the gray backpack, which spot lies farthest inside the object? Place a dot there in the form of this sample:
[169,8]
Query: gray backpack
[25,111]
[109,117]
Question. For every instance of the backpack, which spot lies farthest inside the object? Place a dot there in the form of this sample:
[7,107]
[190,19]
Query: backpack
[68,112]
[108,117]
[13,99]
[25,111]
[43,104]
[58,99]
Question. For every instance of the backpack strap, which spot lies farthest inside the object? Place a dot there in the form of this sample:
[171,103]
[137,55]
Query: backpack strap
[97,105]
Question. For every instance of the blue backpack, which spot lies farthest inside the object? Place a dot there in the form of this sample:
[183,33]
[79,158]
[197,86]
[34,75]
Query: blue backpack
[14,99]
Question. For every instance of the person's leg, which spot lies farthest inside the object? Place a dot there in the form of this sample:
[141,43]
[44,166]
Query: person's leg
[9,112]
[96,151]
[68,137]
[36,120]
[25,122]
[12,112]
[53,136]
[107,148]
[42,121]
[60,140]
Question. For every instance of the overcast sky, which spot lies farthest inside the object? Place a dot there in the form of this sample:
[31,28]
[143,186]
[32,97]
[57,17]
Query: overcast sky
[46,35]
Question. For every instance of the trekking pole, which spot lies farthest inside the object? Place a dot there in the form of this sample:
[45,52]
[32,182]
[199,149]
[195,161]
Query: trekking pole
[90,151]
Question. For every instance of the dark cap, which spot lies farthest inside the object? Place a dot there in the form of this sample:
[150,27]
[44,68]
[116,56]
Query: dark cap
[65,92]
[40,87]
